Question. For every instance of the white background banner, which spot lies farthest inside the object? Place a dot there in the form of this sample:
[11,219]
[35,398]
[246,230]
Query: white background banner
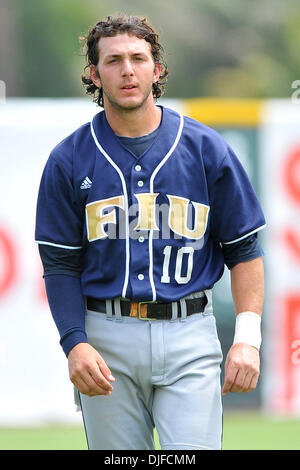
[35,387]
[280,181]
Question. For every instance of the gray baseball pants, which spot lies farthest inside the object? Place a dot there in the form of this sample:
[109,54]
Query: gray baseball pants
[167,376]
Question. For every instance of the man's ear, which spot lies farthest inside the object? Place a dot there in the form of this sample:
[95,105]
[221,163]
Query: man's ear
[157,71]
[94,74]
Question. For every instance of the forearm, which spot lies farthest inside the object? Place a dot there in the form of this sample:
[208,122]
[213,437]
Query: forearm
[68,309]
[247,286]
[88,371]
[62,268]
[242,361]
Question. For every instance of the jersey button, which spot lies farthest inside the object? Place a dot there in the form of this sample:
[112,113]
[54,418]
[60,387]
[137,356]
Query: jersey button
[138,167]
[141,239]
[140,183]
[141,277]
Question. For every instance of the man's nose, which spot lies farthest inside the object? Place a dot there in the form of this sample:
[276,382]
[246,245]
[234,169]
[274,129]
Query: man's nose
[127,68]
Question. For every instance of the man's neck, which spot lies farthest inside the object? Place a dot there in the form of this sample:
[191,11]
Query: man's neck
[134,123]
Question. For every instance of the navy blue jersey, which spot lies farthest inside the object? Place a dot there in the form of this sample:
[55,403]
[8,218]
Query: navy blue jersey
[149,228]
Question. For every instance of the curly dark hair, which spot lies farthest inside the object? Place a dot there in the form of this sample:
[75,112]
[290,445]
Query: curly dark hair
[137,26]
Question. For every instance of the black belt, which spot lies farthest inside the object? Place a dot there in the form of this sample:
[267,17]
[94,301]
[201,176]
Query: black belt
[149,310]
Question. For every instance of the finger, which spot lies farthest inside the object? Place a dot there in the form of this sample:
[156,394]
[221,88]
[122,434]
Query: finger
[230,374]
[249,382]
[237,385]
[105,371]
[80,385]
[84,388]
[244,385]
[95,387]
[99,380]
[254,381]
[100,387]
[88,382]
[240,379]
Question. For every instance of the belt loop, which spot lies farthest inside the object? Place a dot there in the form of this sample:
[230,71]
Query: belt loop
[183,309]
[208,309]
[117,307]
[174,311]
[108,309]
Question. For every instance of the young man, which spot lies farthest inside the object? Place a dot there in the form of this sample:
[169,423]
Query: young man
[137,213]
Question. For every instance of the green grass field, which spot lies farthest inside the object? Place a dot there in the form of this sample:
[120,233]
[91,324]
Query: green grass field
[242,431]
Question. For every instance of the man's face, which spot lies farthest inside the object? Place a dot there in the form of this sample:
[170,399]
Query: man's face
[126,71]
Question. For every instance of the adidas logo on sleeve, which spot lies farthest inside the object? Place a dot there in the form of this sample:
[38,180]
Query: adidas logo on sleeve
[86,183]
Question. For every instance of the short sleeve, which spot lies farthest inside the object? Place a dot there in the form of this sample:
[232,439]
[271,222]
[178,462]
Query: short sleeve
[58,219]
[235,210]
[246,249]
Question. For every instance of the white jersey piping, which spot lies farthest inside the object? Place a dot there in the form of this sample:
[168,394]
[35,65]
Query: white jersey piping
[159,166]
[58,246]
[244,236]
[125,207]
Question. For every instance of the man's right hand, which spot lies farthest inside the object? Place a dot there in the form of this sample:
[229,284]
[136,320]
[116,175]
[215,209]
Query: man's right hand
[88,371]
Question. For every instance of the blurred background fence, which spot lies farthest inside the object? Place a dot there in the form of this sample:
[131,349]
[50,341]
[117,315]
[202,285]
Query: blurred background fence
[235,66]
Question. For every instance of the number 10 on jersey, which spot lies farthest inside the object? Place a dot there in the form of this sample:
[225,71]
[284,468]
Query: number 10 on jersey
[179,276]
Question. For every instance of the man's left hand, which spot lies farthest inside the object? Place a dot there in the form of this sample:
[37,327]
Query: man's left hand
[241,369]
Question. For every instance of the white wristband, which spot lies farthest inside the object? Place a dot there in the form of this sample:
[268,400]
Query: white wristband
[248,329]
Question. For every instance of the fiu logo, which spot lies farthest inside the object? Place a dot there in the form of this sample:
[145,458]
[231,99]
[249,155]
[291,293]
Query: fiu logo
[98,215]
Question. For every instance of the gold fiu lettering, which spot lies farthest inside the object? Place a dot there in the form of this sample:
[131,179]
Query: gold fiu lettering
[177,218]
[96,219]
[146,205]
[178,215]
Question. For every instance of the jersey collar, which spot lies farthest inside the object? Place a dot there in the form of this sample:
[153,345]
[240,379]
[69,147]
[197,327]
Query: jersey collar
[121,156]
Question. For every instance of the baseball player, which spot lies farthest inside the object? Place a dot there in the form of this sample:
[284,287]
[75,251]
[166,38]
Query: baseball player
[138,212]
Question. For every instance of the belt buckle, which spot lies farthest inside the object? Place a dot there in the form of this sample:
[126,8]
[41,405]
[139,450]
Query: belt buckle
[141,315]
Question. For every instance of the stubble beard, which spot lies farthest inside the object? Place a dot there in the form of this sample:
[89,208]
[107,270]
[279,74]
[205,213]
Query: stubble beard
[124,108]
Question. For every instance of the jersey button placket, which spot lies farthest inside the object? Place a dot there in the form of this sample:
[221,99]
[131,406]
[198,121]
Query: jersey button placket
[139,250]
[140,183]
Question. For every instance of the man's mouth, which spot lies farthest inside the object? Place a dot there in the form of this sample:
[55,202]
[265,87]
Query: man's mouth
[128,87]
